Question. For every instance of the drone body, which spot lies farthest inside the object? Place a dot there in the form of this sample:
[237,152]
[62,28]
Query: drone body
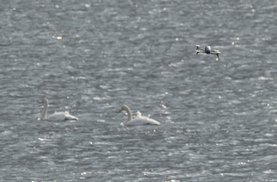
[207,50]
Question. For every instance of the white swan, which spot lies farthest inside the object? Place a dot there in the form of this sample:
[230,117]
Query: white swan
[56,116]
[139,120]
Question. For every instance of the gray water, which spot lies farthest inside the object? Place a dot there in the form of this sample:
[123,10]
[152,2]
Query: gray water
[218,116]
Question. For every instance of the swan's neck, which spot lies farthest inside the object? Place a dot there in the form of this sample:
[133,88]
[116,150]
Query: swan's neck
[130,116]
[45,110]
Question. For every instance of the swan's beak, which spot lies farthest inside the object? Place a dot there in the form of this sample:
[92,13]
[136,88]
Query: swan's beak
[40,101]
[120,110]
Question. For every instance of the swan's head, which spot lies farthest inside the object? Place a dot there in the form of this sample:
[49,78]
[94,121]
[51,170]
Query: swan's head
[124,107]
[44,100]
[197,47]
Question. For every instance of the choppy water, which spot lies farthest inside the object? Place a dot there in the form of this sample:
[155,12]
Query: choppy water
[218,117]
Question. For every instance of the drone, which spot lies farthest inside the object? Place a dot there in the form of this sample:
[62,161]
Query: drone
[207,50]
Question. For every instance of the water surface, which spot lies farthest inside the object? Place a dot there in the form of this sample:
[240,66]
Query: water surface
[217,115]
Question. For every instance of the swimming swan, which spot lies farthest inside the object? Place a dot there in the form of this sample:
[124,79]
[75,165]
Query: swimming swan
[207,50]
[56,116]
[139,120]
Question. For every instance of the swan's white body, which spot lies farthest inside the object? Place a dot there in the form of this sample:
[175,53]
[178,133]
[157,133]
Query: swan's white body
[139,120]
[207,50]
[56,116]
